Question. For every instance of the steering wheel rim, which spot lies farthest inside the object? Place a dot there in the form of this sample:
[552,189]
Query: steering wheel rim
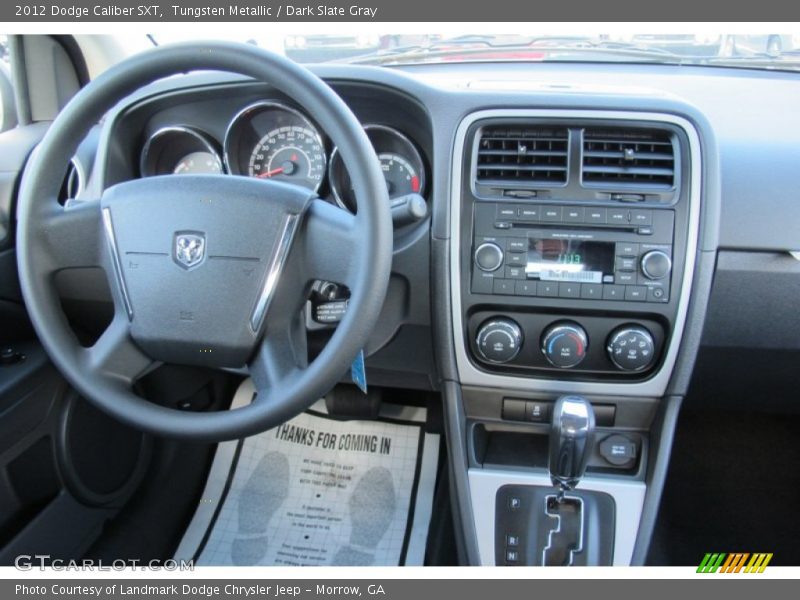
[355,248]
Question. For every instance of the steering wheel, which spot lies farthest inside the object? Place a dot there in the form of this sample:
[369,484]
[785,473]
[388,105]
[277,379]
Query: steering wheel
[209,270]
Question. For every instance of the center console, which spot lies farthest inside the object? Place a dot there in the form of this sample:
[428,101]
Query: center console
[572,248]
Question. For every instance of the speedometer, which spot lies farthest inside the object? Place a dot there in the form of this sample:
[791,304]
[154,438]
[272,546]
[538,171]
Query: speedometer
[291,153]
[270,140]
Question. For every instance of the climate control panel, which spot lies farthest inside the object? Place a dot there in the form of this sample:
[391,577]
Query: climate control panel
[593,345]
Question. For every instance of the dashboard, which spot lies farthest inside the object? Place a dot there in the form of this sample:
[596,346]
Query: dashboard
[603,230]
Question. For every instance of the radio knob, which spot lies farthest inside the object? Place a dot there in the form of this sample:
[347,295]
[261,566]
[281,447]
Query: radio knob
[564,345]
[656,264]
[499,340]
[631,348]
[488,257]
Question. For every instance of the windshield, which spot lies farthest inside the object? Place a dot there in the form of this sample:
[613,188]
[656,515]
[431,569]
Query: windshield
[767,50]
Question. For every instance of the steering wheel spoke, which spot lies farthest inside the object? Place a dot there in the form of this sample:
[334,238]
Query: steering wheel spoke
[73,237]
[282,355]
[115,356]
[331,244]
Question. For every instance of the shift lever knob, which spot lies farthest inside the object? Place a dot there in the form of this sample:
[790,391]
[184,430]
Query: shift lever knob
[571,440]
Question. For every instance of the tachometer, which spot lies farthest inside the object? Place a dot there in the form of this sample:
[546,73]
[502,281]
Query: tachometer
[180,150]
[401,164]
[274,141]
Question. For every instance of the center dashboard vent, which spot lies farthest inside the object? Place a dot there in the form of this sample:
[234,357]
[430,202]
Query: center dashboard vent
[524,155]
[642,157]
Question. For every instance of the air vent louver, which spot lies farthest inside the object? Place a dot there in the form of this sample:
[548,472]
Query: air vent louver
[643,157]
[526,155]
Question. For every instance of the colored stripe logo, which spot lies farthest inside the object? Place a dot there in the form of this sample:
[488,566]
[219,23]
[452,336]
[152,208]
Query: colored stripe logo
[736,562]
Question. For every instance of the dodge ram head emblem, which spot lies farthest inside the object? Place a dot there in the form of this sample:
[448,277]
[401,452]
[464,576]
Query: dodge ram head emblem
[189,249]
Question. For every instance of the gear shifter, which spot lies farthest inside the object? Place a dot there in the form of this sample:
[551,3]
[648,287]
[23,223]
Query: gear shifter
[571,440]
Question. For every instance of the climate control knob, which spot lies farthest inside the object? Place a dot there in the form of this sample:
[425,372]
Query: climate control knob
[656,264]
[564,344]
[631,348]
[488,257]
[499,340]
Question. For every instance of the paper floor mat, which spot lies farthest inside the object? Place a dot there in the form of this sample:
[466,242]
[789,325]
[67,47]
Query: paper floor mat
[319,490]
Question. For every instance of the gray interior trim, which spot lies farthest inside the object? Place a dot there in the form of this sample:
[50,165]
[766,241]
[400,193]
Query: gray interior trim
[108,227]
[628,498]
[657,384]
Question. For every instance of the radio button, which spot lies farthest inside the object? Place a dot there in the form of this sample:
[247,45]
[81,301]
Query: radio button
[506,212]
[595,216]
[548,288]
[625,277]
[613,292]
[627,249]
[516,245]
[504,287]
[517,259]
[626,263]
[515,273]
[488,257]
[525,288]
[569,290]
[592,291]
[573,214]
[529,213]
[633,293]
[502,225]
[617,217]
[642,217]
[551,214]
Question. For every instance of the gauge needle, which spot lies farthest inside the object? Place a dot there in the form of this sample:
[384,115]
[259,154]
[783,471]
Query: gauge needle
[277,171]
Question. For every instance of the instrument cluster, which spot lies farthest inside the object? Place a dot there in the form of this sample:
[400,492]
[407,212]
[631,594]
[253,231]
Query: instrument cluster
[272,140]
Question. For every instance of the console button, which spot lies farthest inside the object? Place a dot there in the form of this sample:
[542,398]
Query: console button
[656,264]
[625,263]
[515,273]
[634,293]
[613,292]
[516,245]
[517,259]
[536,411]
[504,286]
[551,214]
[627,249]
[592,291]
[529,213]
[625,277]
[488,256]
[525,288]
[548,288]
[617,216]
[502,225]
[573,214]
[642,218]
[506,212]
[595,216]
[569,290]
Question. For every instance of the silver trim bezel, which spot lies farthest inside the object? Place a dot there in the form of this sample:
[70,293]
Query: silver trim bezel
[656,385]
[628,498]
[399,135]
[203,138]
[277,261]
[111,239]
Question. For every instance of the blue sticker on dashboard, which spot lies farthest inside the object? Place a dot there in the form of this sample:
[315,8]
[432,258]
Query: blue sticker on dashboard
[358,372]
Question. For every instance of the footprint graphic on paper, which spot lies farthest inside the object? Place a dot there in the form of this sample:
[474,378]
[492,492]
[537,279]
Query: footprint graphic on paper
[262,495]
[372,507]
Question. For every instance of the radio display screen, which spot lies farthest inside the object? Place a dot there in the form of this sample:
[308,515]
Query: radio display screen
[569,260]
